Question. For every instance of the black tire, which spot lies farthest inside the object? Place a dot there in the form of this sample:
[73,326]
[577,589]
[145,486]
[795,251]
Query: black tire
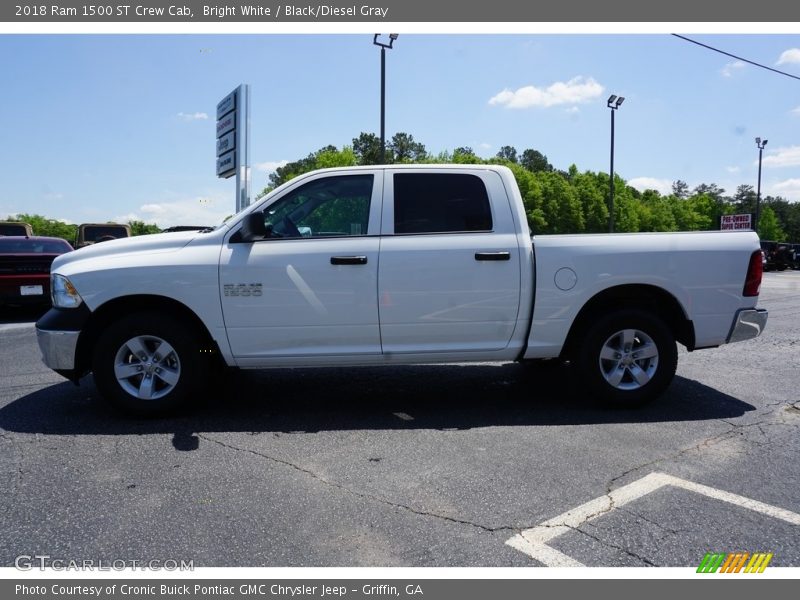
[170,381]
[627,358]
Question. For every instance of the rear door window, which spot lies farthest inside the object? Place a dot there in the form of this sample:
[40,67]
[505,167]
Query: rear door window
[440,203]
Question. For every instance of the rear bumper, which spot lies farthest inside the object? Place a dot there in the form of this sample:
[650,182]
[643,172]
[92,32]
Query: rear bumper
[747,324]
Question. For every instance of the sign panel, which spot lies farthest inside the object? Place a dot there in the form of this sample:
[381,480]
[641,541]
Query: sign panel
[736,222]
[226,164]
[226,124]
[226,105]
[226,143]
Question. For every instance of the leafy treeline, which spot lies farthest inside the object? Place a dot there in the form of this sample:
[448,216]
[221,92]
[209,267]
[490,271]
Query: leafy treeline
[53,228]
[571,201]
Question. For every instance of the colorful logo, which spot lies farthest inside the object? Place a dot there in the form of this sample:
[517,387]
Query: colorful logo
[734,562]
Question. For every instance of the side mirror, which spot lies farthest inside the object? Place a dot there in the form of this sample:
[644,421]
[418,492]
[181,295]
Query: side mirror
[253,227]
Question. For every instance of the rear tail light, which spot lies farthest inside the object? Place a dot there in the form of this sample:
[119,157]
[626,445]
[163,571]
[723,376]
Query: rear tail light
[752,283]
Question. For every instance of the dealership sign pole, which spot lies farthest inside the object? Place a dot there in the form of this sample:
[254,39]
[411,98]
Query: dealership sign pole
[233,142]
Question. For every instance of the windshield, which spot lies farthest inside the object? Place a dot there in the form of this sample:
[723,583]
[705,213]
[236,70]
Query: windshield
[93,234]
[33,246]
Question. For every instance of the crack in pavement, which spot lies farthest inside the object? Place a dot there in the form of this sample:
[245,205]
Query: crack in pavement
[609,544]
[643,518]
[362,495]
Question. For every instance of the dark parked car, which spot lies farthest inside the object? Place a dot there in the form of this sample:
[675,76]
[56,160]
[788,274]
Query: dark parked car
[796,256]
[779,255]
[25,268]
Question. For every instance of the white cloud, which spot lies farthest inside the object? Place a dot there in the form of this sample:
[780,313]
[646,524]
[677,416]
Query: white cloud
[270,166]
[196,116]
[575,91]
[732,169]
[662,186]
[573,110]
[795,111]
[485,146]
[188,211]
[783,157]
[789,189]
[790,56]
[125,218]
[732,67]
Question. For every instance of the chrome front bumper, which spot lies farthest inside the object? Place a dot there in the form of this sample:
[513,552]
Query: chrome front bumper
[749,323]
[58,348]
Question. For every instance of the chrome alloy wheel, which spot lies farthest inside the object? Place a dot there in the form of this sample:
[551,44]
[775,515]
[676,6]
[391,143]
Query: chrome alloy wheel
[147,367]
[628,359]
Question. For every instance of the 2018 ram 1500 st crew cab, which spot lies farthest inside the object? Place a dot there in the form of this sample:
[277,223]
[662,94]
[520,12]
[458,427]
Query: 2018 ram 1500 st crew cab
[394,265]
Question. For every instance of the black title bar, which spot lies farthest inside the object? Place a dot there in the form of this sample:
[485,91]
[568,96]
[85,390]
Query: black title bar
[344,11]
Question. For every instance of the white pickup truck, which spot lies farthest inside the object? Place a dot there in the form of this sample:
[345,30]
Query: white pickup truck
[394,265]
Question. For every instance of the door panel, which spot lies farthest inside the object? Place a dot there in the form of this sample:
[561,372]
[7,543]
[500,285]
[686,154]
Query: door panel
[309,288]
[451,290]
[307,305]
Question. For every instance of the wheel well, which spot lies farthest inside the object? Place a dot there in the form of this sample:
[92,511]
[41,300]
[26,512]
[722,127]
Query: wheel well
[643,297]
[112,310]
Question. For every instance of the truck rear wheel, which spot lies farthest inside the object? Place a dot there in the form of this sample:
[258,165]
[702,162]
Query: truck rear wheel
[627,358]
[148,364]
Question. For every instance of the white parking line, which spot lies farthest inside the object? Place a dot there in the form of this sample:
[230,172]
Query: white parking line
[533,542]
[10,326]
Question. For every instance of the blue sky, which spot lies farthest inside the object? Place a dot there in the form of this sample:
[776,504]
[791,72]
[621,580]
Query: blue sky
[112,127]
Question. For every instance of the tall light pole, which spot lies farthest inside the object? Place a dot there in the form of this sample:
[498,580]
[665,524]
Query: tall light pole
[760,144]
[383,46]
[614,102]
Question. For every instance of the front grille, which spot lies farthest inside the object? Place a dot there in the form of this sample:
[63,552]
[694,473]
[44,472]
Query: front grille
[24,266]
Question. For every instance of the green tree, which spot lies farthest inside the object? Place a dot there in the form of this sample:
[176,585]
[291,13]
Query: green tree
[142,228]
[768,226]
[626,212]
[680,189]
[466,156]
[47,227]
[744,200]
[404,149]
[561,205]
[656,214]
[331,157]
[592,198]
[367,148]
[508,153]
[534,161]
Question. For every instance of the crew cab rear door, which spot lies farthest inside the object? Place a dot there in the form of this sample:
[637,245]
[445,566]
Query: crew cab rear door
[309,289]
[449,274]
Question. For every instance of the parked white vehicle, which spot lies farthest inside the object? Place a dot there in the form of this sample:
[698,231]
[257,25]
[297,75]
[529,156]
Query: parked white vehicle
[394,265]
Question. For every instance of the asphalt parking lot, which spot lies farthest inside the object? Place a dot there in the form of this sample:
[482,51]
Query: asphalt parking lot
[487,465]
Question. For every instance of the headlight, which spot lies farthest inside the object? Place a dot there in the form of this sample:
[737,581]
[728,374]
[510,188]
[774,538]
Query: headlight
[63,293]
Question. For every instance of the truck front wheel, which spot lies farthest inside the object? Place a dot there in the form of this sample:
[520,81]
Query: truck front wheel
[147,364]
[627,358]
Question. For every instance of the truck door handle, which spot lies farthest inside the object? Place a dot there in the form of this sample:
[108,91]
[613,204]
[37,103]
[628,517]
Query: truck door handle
[492,256]
[348,260]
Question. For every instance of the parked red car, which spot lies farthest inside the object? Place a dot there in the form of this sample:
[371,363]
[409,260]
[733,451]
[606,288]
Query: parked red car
[25,268]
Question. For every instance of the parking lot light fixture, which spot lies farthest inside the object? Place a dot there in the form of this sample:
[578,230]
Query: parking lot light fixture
[614,102]
[760,145]
[383,46]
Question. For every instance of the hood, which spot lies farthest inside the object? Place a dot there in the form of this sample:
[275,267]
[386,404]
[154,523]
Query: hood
[143,244]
